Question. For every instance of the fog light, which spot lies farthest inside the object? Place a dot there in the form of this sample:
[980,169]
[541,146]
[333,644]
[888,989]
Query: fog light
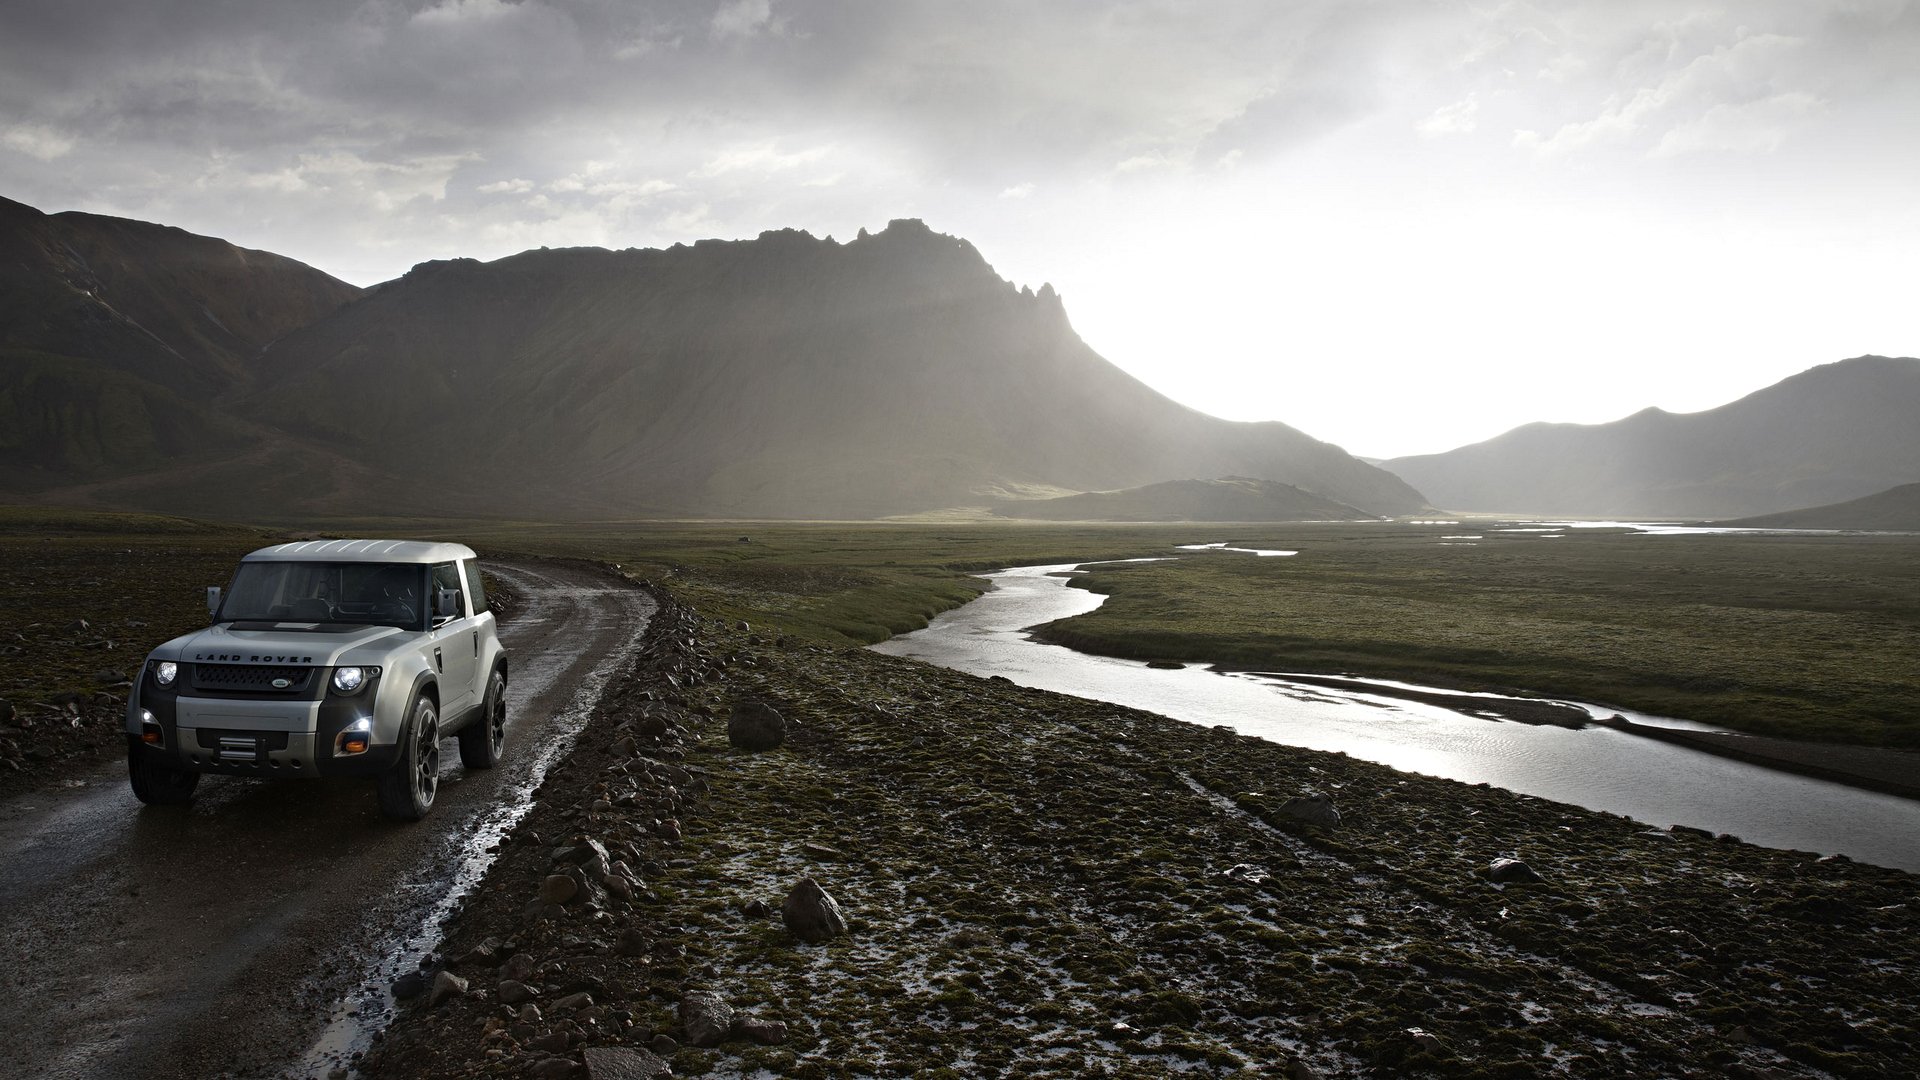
[355,739]
[150,732]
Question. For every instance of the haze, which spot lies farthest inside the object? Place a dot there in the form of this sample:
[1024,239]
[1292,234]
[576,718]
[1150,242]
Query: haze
[1399,227]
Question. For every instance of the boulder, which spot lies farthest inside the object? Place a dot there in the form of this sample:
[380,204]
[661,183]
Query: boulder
[1510,870]
[445,985]
[755,725]
[1312,809]
[811,914]
[764,1032]
[513,992]
[558,889]
[705,1018]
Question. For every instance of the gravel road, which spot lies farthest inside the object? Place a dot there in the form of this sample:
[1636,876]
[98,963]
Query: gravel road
[257,932]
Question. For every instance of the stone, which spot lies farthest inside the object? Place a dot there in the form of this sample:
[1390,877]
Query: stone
[1424,1039]
[705,1018]
[631,943]
[755,725]
[410,985]
[589,855]
[553,1042]
[446,986]
[1315,809]
[108,676]
[663,1044]
[764,1032]
[811,914]
[513,992]
[553,1068]
[757,909]
[1510,870]
[528,1014]
[485,954]
[578,1000]
[519,967]
[625,1063]
[558,889]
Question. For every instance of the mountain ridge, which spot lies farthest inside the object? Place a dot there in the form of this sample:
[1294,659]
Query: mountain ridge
[785,376]
[1833,432]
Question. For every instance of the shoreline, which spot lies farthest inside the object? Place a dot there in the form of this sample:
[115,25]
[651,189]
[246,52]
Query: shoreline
[1869,768]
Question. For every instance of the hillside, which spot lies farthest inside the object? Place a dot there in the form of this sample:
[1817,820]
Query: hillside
[1233,498]
[117,337]
[1894,510]
[786,376]
[1836,432]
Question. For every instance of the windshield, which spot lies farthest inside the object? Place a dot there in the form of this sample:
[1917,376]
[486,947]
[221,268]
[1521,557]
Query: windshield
[326,592]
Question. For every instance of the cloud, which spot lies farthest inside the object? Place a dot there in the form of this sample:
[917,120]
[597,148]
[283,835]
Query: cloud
[1018,191]
[1752,127]
[37,141]
[1454,119]
[506,187]
[762,158]
[742,18]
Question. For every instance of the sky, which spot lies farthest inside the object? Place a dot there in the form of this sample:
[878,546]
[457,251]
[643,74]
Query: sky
[1398,226]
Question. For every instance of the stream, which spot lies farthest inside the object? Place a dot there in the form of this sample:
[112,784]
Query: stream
[1595,767]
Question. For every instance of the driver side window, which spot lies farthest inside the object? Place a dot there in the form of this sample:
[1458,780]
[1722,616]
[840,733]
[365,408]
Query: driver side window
[447,576]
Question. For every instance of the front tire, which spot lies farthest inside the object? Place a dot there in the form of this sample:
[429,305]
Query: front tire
[407,790]
[482,740]
[157,784]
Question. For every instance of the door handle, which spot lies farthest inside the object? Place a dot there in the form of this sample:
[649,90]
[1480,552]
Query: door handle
[437,664]
[476,643]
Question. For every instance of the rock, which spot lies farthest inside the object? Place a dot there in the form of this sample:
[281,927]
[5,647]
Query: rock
[519,967]
[410,985]
[446,985]
[558,889]
[528,1014]
[625,1063]
[513,992]
[108,676]
[764,1032]
[1510,870]
[589,855]
[78,626]
[625,746]
[822,852]
[705,1018]
[755,725]
[811,914]
[1424,1039]
[757,909]
[1315,808]
[553,1068]
[632,942]
[553,1042]
[485,954]
[1300,1070]
[579,1000]
[665,1045]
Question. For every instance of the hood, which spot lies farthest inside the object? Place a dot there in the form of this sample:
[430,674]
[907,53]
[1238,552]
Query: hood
[272,643]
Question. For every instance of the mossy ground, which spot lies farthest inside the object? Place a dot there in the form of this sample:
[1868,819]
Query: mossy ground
[1038,885]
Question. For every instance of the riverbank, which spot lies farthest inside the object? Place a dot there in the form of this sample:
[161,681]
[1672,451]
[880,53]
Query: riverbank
[1048,886]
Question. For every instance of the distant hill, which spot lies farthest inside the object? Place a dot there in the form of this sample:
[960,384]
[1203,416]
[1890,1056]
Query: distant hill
[117,338]
[1836,432]
[1894,510]
[786,376]
[1233,498]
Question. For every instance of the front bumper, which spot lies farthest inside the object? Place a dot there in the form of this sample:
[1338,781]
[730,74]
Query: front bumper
[256,737]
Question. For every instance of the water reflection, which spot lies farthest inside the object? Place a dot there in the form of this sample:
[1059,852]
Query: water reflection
[1594,767]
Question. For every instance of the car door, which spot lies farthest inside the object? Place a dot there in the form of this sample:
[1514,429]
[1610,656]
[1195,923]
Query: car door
[454,646]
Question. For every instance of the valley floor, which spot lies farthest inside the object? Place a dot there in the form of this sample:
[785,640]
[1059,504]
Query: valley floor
[1045,886]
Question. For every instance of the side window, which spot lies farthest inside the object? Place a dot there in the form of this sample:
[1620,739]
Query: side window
[446,575]
[475,587]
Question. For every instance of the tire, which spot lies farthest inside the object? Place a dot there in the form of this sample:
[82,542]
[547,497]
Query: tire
[407,790]
[482,740]
[160,785]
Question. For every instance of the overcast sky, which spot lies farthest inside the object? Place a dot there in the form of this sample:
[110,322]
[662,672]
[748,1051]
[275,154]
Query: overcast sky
[1398,226]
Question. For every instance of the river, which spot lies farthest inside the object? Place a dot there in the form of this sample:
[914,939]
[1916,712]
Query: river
[1594,767]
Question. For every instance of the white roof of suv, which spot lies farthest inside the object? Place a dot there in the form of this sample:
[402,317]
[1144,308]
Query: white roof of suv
[392,551]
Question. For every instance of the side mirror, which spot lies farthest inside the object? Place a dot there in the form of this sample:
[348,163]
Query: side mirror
[446,603]
[213,599]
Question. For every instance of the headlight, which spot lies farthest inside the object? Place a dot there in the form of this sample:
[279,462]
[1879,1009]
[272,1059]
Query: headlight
[165,672]
[348,680]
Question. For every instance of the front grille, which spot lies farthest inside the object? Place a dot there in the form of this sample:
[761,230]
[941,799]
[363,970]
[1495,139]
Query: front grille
[253,678]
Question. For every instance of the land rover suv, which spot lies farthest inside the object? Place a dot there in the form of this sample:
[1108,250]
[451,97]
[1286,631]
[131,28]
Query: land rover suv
[327,658]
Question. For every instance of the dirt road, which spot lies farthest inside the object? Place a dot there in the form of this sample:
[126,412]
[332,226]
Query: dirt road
[257,932]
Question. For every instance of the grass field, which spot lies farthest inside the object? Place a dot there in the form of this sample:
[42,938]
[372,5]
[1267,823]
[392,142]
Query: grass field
[1813,637]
